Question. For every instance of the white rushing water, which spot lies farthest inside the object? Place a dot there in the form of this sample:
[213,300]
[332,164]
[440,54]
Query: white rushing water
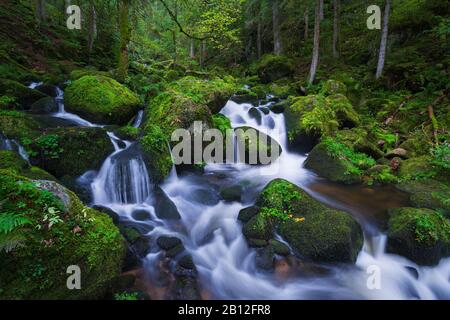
[213,235]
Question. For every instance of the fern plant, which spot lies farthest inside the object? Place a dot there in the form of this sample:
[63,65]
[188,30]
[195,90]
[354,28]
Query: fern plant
[12,234]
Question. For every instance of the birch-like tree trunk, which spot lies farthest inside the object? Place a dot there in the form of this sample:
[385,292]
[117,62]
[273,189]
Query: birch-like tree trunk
[321,10]
[315,56]
[192,49]
[277,47]
[202,53]
[384,37]
[41,14]
[336,27]
[306,23]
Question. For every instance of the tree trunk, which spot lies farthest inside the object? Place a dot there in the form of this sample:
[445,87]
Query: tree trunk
[321,10]
[315,56]
[124,30]
[92,27]
[202,53]
[259,38]
[384,37]
[192,49]
[276,29]
[336,28]
[306,24]
[40,12]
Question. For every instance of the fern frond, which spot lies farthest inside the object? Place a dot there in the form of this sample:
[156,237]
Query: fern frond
[11,221]
[12,241]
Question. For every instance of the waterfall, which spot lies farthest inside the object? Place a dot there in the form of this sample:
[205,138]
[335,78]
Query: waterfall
[139,118]
[62,114]
[13,145]
[123,177]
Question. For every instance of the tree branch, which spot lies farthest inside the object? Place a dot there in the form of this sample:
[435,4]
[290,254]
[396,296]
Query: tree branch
[180,27]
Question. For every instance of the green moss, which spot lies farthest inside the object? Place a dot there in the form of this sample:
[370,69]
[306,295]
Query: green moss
[71,235]
[18,125]
[127,133]
[8,103]
[101,99]
[315,116]
[80,73]
[13,162]
[24,95]
[338,162]
[421,235]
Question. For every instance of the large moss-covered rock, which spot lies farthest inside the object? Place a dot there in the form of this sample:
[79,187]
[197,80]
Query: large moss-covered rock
[40,250]
[421,235]
[428,193]
[314,231]
[311,117]
[70,151]
[337,162]
[102,100]
[273,67]
[187,101]
[360,140]
[18,125]
[12,161]
[24,95]
[414,167]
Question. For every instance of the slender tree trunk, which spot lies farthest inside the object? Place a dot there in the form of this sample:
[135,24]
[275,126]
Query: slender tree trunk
[92,27]
[259,38]
[278,49]
[192,49]
[41,14]
[306,23]
[315,56]
[336,28]
[202,53]
[384,37]
[124,30]
[321,10]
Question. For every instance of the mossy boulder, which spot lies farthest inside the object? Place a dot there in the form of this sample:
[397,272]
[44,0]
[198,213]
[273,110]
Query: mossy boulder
[35,267]
[24,95]
[12,161]
[273,67]
[413,167]
[44,105]
[360,140]
[18,125]
[312,117]
[70,151]
[80,73]
[337,162]
[331,87]
[428,193]
[129,133]
[102,100]
[314,231]
[258,147]
[421,235]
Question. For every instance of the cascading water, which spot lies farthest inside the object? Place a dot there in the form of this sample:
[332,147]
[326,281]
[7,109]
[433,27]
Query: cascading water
[213,235]
[227,265]
[13,145]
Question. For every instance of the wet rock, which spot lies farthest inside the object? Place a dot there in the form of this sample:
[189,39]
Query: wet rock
[413,271]
[257,243]
[48,90]
[164,207]
[186,267]
[44,106]
[167,243]
[141,215]
[255,114]
[231,194]
[113,215]
[280,248]
[185,288]
[55,188]
[206,197]
[247,213]
[265,258]
[279,107]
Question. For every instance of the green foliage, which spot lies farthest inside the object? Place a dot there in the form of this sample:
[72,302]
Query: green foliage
[222,123]
[125,296]
[356,162]
[8,103]
[441,156]
[50,145]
